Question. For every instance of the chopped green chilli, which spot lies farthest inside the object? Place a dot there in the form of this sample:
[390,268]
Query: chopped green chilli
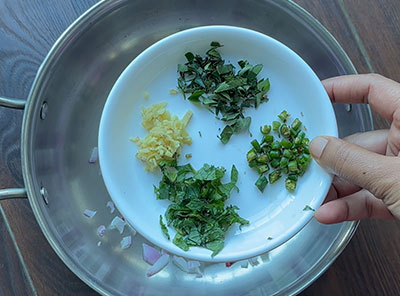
[261,183]
[286,154]
[197,211]
[214,84]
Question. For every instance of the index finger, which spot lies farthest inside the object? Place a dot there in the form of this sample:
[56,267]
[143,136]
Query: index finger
[382,94]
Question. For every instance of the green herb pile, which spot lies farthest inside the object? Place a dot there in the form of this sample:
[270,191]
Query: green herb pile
[287,155]
[214,84]
[198,212]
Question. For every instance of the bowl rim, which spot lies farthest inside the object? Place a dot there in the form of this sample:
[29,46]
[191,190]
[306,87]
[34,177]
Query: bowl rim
[298,226]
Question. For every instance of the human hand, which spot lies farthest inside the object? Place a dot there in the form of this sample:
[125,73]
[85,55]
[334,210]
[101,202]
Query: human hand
[366,165]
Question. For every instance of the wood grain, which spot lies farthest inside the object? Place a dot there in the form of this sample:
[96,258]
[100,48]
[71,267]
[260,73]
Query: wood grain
[369,265]
[331,16]
[336,17]
[13,281]
[27,31]
[378,25]
[48,273]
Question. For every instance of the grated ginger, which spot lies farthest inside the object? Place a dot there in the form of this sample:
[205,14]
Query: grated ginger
[167,134]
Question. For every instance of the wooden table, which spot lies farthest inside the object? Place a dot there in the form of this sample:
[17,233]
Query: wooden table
[368,30]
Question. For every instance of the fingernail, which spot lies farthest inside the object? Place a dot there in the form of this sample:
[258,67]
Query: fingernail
[317,146]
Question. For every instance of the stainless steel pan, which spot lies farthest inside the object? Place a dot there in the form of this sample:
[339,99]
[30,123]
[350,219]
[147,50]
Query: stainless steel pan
[60,128]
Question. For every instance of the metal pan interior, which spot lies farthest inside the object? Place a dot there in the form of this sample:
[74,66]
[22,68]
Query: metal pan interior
[74,82]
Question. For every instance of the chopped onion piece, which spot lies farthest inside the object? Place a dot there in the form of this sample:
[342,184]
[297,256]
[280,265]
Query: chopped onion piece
[193,264]
[158,265]
[118,223]
[194,267]
[265,257]
[94,155]
[180,263]
[132,229]
[110,205]
[150,254]
[126,242]
[254,261]
[244,264]
[99,243]
[101,230]
[89,213]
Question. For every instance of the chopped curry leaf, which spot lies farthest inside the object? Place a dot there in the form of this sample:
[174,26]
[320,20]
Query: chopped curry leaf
[214,84]
[234,175]
[226,134]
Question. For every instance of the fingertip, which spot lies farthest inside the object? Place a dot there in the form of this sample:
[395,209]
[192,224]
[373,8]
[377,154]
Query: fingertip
[317,146]
[332,212]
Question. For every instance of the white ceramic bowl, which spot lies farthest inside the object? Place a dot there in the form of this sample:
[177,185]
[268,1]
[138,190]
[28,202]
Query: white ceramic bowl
[276,213]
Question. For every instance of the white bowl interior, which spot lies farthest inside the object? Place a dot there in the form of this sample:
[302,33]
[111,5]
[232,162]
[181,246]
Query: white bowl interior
[276,213]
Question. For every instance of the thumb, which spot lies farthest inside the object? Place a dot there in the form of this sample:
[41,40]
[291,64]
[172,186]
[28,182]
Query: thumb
[377,173]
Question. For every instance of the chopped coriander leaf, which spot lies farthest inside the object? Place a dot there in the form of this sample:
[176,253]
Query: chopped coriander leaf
[180,242]
[269,238]
[215,246]
[198,212]
[218,87]
[308,208]
[164,228]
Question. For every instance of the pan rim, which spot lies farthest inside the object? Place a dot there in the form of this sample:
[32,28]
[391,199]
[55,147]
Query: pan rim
[104,7]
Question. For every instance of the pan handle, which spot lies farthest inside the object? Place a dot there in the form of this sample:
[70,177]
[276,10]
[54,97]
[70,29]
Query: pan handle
[12,193]
[12,103]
